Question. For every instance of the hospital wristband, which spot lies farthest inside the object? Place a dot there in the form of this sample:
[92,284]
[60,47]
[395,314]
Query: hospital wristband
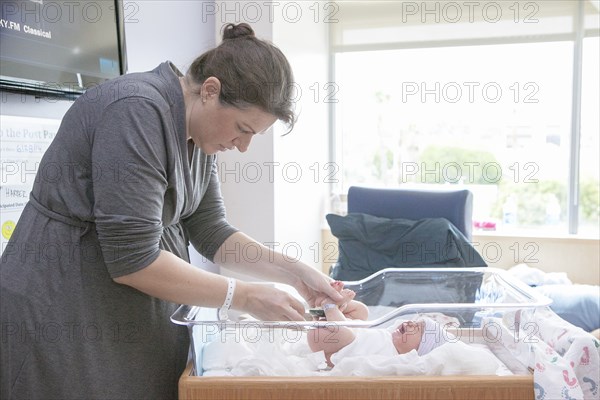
[329,306]
[228,299]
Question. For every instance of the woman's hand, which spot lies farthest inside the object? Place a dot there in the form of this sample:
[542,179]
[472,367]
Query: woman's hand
[351,308]
[314,286]
[267,303]
[338,287]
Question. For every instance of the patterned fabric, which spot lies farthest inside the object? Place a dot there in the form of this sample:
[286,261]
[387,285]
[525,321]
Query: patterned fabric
[565,359]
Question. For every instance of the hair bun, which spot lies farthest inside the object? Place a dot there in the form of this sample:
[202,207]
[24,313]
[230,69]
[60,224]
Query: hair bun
[233,31]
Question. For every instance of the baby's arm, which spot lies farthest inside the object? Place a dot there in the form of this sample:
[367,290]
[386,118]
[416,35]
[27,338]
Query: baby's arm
[356,310]
[351,308]
[330,339]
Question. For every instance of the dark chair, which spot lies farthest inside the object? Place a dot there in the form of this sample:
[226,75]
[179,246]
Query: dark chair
[456,205]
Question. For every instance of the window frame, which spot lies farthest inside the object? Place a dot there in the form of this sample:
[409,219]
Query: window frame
[577,35]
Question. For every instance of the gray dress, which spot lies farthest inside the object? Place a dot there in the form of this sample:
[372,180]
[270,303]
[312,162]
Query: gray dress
[118,184]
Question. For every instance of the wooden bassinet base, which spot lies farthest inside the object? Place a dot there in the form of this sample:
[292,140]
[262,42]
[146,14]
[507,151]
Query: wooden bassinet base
[514,387]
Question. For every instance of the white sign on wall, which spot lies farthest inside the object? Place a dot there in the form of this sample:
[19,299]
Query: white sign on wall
[23,142]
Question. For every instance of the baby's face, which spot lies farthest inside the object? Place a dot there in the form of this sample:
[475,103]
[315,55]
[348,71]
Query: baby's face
[408,336]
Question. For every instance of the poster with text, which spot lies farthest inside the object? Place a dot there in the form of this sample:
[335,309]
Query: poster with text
[23,141]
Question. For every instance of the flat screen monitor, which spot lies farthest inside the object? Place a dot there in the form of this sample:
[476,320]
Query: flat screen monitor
[60,48]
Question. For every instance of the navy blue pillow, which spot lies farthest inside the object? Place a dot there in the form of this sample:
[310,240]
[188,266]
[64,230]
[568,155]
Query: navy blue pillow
[368,244]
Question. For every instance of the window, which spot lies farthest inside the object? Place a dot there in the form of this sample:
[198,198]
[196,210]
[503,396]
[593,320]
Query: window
[488,114]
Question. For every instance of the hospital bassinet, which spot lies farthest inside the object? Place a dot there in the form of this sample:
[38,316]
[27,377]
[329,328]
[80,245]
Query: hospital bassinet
[470,296]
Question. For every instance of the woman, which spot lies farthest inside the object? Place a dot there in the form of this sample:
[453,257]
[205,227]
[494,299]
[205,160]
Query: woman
[98,261]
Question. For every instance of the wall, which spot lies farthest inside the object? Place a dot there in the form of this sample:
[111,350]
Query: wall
[301,187]
[177,31]
[579,258]
[159,30]
[270,191]
[248,192]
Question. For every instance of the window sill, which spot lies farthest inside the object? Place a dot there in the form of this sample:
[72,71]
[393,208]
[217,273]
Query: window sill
[534,235]
[549,236]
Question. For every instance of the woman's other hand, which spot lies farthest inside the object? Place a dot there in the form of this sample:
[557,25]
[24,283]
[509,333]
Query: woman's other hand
[267,303]
[314,286]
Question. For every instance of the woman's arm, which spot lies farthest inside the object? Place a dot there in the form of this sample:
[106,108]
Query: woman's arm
[243,254]
[213,237]
[171,278]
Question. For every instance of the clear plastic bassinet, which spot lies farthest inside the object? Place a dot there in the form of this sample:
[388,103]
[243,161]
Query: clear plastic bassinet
[468,295]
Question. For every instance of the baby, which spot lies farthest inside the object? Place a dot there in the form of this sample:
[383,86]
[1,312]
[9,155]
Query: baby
[337,342]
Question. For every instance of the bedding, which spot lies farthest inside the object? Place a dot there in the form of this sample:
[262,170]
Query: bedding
[281,352]
[576,303]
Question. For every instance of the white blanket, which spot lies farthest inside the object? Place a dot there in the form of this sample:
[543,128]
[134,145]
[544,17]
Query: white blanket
[278,352]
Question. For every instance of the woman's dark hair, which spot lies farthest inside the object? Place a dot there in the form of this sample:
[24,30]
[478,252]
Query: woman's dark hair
[252,72]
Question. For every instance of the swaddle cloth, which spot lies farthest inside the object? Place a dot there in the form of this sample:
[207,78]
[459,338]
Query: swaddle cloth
[367,342]
[453,359]
[250,351]
[282,353]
